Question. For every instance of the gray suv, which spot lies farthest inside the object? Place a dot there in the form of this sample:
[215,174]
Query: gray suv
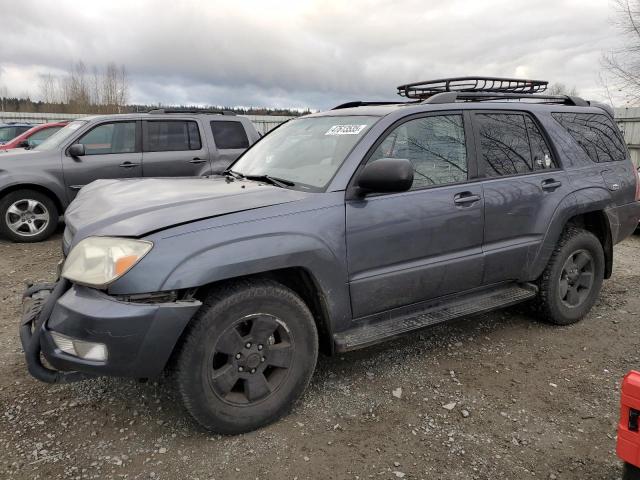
[37,185]
[336,231]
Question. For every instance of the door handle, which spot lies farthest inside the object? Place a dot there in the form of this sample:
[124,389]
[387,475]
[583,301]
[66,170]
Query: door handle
[551,184]
[465,198]
[197,160]
[129,165]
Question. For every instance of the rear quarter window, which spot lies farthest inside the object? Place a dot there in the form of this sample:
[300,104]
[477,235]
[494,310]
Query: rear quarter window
[596,134]
[229,134]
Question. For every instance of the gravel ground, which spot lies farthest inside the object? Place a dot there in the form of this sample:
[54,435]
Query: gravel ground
[486,397]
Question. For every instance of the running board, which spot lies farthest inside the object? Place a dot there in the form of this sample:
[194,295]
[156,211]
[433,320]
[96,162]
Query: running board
[373,331]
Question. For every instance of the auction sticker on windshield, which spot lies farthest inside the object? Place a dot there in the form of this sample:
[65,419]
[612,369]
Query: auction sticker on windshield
[345,129]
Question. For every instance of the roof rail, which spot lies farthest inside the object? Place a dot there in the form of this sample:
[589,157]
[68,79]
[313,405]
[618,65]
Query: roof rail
[452,97]
[359,103]
[203,111]
[425,89]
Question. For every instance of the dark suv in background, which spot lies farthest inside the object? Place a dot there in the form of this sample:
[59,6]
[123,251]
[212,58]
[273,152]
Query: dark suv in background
[9,131]
[37,185]
[336,231]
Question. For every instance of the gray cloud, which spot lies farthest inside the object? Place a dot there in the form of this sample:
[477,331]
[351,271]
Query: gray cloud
[303,53]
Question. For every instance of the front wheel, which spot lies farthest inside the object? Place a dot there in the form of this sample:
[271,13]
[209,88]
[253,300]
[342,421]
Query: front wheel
[27,216]
[248,356]
[571,283]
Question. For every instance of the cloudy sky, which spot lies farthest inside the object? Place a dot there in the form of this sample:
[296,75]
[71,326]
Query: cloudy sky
[302,53]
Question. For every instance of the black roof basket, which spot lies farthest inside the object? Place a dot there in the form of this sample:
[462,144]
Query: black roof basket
[204,111]
[478,89]
[475,89]
[428,88]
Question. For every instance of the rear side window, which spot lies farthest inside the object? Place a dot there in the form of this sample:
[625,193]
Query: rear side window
[172,135]
[540,153]
[504,144]
[511,144]
[229,135]
[596,134]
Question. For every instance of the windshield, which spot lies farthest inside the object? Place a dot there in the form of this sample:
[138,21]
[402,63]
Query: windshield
[57,139]
[306,151]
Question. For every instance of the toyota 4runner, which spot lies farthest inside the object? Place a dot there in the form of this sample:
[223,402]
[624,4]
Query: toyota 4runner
[335,231]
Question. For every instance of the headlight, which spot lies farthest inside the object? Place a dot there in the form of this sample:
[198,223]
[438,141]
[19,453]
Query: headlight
[98,261]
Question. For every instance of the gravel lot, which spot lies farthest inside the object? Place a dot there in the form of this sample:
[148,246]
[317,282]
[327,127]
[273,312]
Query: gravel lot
[486,397]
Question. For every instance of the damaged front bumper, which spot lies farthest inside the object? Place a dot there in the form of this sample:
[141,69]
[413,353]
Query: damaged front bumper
[139,337]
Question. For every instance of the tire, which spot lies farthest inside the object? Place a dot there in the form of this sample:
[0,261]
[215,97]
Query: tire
[630,472]
[248,356]
[566,295]
[28,216]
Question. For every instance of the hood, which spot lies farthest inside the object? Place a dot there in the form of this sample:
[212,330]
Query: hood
[135,207]
[9,154]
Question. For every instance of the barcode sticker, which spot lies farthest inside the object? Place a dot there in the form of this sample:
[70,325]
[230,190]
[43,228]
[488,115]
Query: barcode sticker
[345,129]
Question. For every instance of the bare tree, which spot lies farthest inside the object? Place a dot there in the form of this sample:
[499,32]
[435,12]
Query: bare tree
[76,88]
[49,88]
[561,89]
[623,64]
[115,89]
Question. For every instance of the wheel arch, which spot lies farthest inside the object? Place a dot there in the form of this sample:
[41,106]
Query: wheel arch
[298,279]
[38,188]
[302,282]
[585,208]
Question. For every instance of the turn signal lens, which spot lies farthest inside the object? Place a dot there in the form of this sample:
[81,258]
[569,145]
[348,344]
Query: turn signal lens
[125,263]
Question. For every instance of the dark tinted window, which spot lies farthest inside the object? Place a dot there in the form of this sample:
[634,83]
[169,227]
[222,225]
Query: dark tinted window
[540,152]
[172,135]
[434,145]
[504,144]
[229,134]
[108,138]
[596,134]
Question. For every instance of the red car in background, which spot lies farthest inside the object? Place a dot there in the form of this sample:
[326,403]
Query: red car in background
[34,136]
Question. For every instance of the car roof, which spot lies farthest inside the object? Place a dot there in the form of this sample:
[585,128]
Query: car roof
[157,116]
[16,124]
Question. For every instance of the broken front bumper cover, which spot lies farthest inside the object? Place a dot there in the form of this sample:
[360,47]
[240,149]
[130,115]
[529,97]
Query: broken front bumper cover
[139,337]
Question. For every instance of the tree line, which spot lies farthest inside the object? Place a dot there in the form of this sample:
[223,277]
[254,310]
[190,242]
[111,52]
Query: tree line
[97,90]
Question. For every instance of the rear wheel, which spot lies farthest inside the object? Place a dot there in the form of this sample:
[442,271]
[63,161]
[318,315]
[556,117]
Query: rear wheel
[248,356]
[27,216]
[571,283]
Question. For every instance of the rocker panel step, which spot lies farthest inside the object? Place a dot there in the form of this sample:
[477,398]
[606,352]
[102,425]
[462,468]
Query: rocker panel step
[369,332]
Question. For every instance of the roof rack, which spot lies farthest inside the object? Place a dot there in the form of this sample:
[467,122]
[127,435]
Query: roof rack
[452,97]
[425,89]
[203,111]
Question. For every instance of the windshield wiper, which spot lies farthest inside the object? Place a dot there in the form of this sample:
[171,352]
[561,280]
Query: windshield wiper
[278,182]
[233,174]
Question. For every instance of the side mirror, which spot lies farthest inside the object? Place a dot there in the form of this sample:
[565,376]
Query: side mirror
[386,175]
[76,150]
[23,144]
